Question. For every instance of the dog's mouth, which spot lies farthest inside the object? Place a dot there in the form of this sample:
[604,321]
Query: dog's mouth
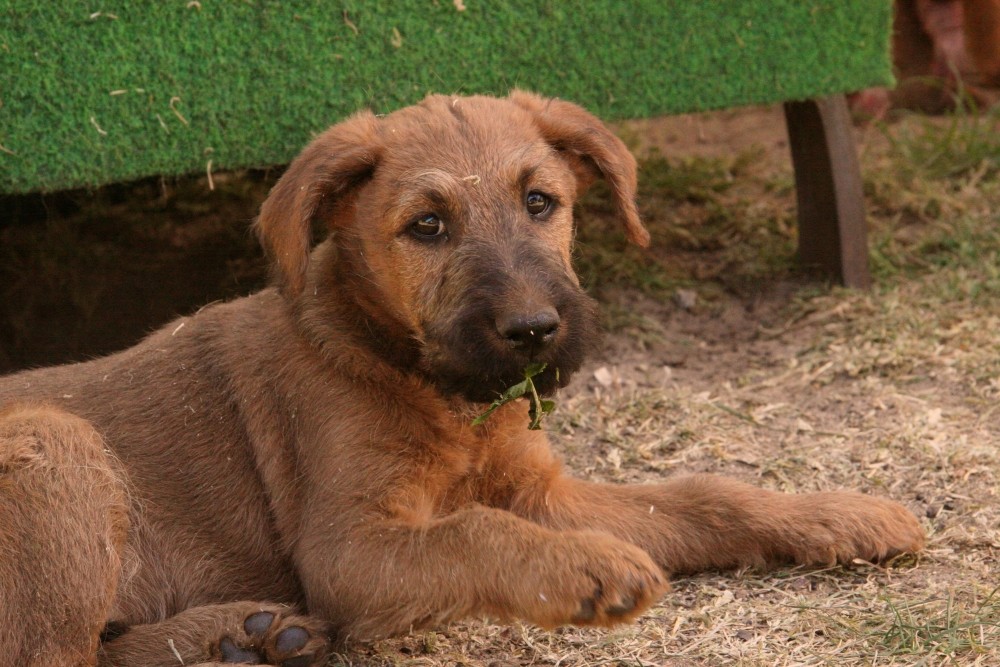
[488,385]
[474,357]
[545,383]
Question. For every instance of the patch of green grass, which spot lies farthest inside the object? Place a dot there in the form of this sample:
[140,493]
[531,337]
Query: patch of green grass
[696,179]
[708,219]
[934,199]
[926,630]
[966,144]
[964,250]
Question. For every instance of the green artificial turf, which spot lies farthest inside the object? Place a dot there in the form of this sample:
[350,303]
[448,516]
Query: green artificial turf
[98,92]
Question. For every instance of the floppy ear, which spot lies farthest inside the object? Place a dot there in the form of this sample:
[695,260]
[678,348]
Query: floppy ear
[328,168]
[592,150]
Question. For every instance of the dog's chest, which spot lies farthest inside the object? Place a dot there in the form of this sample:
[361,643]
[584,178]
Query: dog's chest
[488,465]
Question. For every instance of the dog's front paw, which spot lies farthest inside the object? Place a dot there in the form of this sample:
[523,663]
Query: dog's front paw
[841,527]
[272,636]
[591,578]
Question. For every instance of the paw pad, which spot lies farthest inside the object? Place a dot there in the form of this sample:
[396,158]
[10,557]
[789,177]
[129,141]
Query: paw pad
[259,623]
[237,654]
[274,639]
[292,639]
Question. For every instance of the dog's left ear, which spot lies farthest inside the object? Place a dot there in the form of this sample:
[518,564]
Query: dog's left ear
[592,150]
[322,175]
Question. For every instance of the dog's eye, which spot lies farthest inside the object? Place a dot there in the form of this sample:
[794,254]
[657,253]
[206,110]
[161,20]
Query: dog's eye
[537,203]
[427,227]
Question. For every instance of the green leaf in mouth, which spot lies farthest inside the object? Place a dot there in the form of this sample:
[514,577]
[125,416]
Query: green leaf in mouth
[539,407]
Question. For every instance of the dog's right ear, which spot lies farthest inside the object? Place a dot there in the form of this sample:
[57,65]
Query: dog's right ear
[327,169]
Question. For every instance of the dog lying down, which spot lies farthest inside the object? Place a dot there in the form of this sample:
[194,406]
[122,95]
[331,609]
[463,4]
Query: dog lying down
[301,464]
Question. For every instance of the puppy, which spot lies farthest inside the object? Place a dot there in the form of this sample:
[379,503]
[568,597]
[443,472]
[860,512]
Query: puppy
[302,463]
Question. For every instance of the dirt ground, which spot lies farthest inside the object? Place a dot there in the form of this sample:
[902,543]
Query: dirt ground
[718,357]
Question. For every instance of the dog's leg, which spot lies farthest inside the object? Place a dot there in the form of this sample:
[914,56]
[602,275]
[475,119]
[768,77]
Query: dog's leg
[385,577]
[62,523]
[239,632]
[704,522]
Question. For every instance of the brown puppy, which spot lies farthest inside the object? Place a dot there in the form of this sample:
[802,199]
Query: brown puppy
[311,446]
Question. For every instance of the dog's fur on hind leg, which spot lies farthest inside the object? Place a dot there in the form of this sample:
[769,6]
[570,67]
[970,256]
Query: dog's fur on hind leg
[63,510]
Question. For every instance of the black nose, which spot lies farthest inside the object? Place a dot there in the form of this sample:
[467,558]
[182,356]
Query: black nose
[529,332]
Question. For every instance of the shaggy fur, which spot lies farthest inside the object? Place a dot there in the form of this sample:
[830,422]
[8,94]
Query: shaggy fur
[309,449]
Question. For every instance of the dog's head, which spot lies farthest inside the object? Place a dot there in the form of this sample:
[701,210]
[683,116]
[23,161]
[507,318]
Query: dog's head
[451,227]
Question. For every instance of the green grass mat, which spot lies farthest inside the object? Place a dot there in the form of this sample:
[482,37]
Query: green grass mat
[92,93]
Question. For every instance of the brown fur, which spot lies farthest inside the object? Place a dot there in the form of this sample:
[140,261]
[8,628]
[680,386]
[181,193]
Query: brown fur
[943,46]
[944,52]
[312,445]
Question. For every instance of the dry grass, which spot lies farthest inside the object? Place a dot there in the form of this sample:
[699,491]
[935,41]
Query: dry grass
[795,387]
